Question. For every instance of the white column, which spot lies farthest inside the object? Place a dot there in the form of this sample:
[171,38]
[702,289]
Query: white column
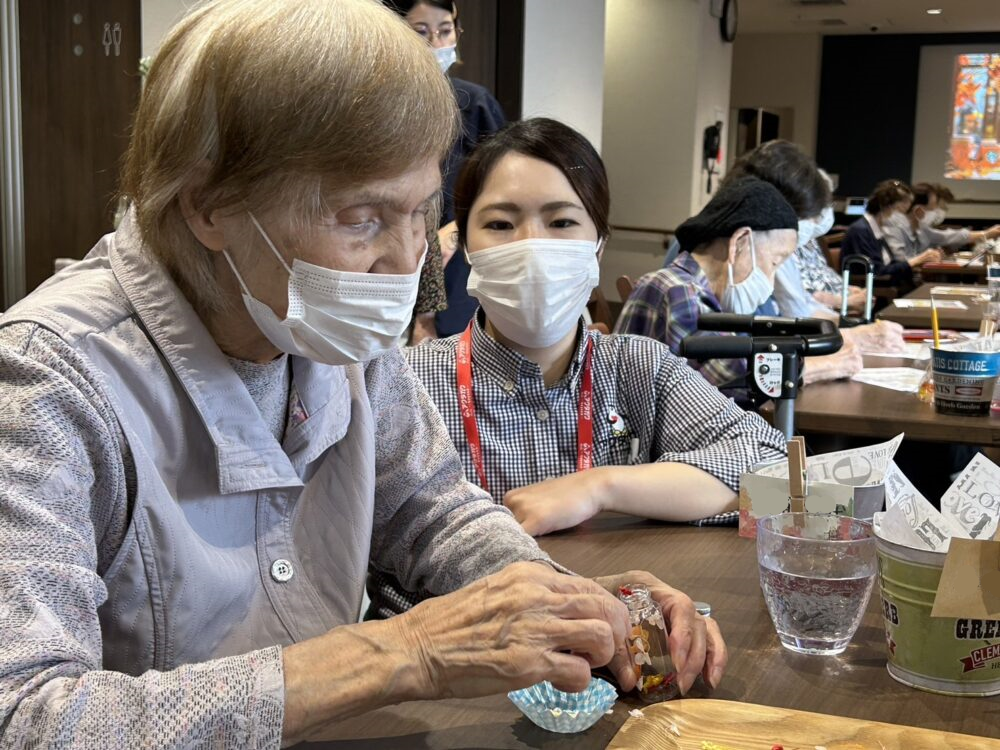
[564,63]
[11,163]
[158,17]
[666,78]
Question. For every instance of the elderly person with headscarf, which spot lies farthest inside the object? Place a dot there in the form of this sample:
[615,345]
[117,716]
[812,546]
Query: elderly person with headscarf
[207,432]
[729,255]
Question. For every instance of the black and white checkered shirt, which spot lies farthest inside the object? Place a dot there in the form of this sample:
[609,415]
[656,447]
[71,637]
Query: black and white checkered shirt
[529,433]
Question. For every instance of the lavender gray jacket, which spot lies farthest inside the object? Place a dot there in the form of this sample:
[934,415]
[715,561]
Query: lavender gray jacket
[157,544]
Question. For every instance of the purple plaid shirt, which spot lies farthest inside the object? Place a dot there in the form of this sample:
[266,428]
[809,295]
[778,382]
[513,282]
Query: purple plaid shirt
[665,305]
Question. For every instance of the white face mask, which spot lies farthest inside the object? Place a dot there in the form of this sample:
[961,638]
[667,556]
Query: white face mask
[534,291]
[446,56]
[335,317]
[825,223]
[744,298]
[812,229]
[932,218]
[807,228]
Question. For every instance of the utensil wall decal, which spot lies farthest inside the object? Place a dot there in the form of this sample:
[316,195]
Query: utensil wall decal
[112,37]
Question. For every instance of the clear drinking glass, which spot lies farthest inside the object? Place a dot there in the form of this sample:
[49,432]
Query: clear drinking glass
[816,572]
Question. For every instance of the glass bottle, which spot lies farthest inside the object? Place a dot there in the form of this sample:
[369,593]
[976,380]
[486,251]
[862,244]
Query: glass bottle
[925,391]
[656,679]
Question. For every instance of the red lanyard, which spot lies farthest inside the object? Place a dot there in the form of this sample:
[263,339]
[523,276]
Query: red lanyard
[467,406]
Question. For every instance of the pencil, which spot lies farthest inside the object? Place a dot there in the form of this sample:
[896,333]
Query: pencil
[934,325]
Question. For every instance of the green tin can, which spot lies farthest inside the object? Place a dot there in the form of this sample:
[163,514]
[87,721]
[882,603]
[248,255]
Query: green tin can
[937,654]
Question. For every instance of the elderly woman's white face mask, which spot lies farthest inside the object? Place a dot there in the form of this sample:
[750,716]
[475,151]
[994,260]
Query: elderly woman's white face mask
[747,295]
[335,317]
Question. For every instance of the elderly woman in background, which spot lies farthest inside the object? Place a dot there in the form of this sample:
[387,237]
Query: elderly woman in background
[207,431]
[808,191]
[866,236]
[729,255]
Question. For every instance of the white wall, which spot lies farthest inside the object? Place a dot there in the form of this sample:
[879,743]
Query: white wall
[648,92]
[714,68]
[666,77]
[157,18]
[780,71]
[564,63]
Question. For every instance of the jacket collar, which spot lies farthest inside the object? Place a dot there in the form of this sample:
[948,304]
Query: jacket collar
[496,361]
[873,223]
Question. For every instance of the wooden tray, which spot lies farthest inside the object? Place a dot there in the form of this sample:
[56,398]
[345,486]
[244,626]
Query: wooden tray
[746,726]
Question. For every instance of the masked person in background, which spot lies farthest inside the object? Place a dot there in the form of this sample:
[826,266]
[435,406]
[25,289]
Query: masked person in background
[806,286]
[867,237]
[797,278]
[437,22]
[208,432]
[818,278]
[916,231]
[556,421]
[808,191]
[729,254]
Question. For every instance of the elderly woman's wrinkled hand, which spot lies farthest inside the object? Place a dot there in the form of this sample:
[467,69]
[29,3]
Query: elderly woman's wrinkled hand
[520,626]
[856,298]
[881,336]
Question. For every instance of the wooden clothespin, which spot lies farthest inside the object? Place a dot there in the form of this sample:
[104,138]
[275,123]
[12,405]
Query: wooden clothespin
[798,485]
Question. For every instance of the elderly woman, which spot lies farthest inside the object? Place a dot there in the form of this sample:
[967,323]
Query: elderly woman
[206,431]
[866,235]
[808,191]
[729,255]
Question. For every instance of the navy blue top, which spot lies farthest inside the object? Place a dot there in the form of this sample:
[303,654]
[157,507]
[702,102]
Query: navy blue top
[861,240]
[481,117]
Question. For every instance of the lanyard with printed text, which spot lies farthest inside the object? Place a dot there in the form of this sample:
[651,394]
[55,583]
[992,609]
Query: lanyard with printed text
[467,408]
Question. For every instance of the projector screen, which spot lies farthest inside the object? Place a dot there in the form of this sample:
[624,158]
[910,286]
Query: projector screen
[975,118]
[958,120]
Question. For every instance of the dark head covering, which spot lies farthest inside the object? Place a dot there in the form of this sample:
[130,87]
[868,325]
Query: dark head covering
[744,202]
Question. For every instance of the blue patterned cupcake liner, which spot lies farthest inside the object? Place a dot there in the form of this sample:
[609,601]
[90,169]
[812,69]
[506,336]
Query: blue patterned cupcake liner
[567,713]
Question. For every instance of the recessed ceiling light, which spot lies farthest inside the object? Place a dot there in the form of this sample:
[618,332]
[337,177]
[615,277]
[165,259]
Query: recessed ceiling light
[934,11]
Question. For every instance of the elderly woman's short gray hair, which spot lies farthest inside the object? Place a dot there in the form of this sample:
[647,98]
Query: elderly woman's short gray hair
[269,104]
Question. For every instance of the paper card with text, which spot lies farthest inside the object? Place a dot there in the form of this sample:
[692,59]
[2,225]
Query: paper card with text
[858,467]
[973,500]
[970,581]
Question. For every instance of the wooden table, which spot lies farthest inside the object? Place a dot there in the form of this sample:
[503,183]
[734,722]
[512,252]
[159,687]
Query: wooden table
[951,272]
[714,565]
[920,317]
[846,407]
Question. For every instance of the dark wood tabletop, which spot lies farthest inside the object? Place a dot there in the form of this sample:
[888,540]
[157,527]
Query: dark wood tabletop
[953,272]
[716,566]
[846,407]
[920,317]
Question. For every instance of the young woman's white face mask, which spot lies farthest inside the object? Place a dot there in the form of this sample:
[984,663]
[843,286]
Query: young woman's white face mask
[533,250]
